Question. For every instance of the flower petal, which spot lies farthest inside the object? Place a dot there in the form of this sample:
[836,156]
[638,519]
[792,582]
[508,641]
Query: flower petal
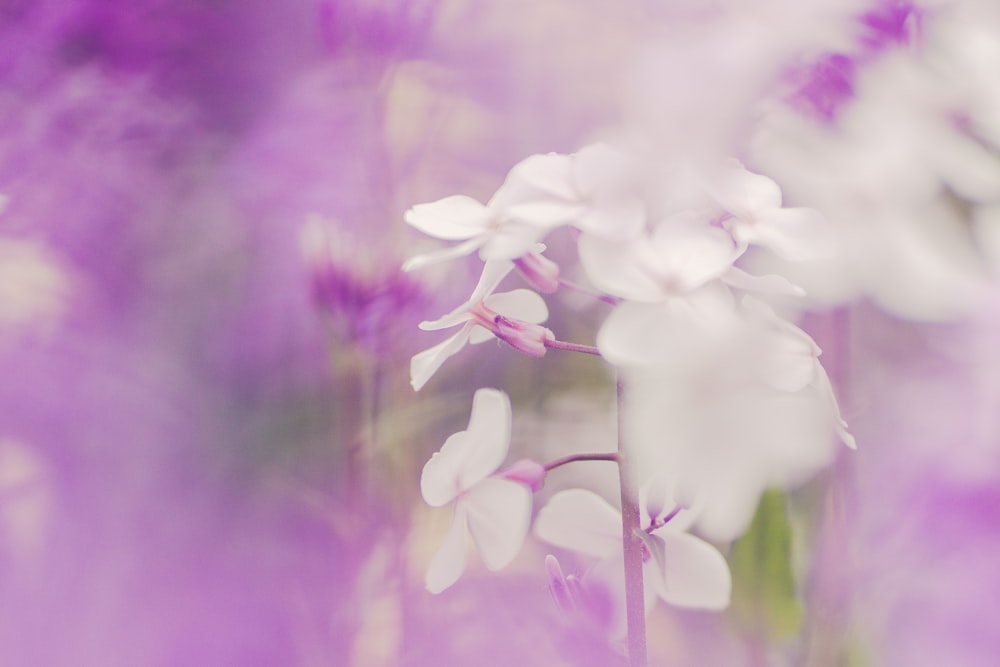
[580,520]
[795,234]
[614,268]
[448,563]
[424,364]
[744,193]
[767,284]
[549,174]
[489,428]
[499,512]
[453,252]
[453,218]
[697,575]
[520,304]
[493,273]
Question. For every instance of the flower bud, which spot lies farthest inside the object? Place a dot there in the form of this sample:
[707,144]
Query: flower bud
[522,336]
[527,472]
[540,272]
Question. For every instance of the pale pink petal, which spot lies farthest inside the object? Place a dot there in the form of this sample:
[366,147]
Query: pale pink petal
[580,520]
[480,335]
[601,167]
[493,274]
[795,234]
[697,575]
[452,319]
[453,218]
[686,255]
[619,218]
[614,267]
[839,424]
[441,478]
[744,193]
[424,364]
[448,563]
[510,241]
[676,331]
[544,214]
[499,512]
[769,284]
[551,174]
[427,259]
[519,304]
[489,433]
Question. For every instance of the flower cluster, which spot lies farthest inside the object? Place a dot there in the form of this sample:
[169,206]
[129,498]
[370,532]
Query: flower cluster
[721,395]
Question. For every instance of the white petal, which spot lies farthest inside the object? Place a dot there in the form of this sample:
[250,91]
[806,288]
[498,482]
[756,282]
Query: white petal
[680,331]
[493,274]
[448,563]
[839,424]
[686,255]
[453,218]
[512,240]
[615,268]
[480,335]
[427,259]
[769,284]
[621,218]
[697,575]
[424,364]
[601,167]
[469,456]
[520,304]
[550,174]
[499,513]
[795,234]
[489,427]
[544,214]
[744,193]
[580,520]
[440,480]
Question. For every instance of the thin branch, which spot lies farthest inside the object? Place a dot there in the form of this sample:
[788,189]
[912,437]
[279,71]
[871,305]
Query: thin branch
[553,344]
[607,456]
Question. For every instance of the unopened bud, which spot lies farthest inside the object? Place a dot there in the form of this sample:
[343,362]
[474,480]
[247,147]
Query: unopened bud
[522,336]
[540,272]
[527,472]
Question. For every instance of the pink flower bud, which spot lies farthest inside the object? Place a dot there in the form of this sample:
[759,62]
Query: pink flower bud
[527,472]
[522,336]
[540,272]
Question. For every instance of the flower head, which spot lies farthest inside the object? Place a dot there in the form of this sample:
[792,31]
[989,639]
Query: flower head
[512,316]
[682,569]
[494,509]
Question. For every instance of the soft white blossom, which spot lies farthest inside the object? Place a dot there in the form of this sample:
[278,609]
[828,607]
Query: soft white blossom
[494,510]
[679,568]
[512,315]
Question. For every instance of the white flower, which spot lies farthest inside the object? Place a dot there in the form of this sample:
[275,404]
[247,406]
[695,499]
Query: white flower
[513,315]
[754,202]
[494,510]
[530,202]
[591,190]
[684,571]
[683,253]
[748,409]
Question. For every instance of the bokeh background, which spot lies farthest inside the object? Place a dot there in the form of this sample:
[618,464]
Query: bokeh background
[209,449]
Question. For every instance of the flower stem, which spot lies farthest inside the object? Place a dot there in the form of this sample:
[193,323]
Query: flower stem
[607,456]
[553,344]
[635,611]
